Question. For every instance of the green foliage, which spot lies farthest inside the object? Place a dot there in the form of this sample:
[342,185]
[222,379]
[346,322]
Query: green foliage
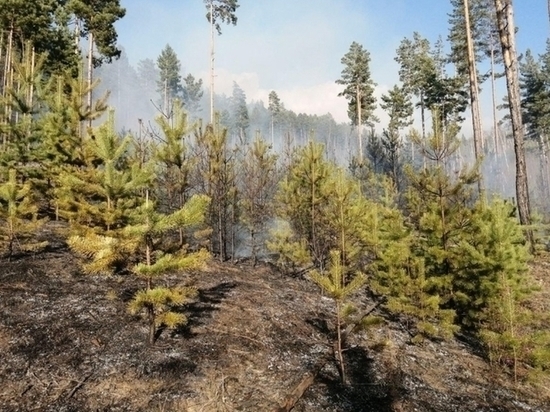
[481,22]
[257,190]
[327,211]
[215,176]
[146,222]
[105,255]
[99,18]
[491,247]
[239,113]
[169,83]
[301,197]
[20,103]
[416,64]
[535,92]
[174,160]
[359,87]
[192,93]
[400,109]
[334,284]
[148,226]
[163,300]
[456,263]
[292,252]
[98,198]
[45,24]
[221,11]
[18,217]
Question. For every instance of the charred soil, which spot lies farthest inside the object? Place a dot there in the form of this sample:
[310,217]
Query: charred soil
[254,334]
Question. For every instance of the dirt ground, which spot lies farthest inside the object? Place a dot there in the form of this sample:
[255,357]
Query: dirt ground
[67,343]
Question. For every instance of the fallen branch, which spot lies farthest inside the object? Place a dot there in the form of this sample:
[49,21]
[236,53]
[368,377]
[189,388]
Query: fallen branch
[351,327]
[28,388]
[306,381]
[79,385]
[236,334]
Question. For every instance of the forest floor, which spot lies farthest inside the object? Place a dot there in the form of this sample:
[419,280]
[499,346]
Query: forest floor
[67,343]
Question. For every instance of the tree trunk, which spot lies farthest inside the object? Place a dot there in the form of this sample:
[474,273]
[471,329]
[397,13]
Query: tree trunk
[493,99]
[3,72]
[474,95]
[543,158]
[212,62]
[339,344]
[506,28]
[90,74]
[359,123]
[8,83]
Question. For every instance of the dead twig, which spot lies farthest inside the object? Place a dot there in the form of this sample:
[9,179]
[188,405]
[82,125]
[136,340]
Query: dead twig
[236,334]
[299,390]
[79,385]
[351,327]
[28,388]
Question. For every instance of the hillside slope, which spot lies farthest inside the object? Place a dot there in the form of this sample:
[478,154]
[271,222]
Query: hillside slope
[68,344]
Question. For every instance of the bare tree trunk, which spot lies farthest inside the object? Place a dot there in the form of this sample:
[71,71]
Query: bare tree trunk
[506,28]
[339,343]
[8,83]
[474,96]
[493,99]
[544,167]
[212,62]
[3,73]
[90,73]
[359,123]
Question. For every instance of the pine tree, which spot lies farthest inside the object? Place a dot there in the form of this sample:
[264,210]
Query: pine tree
[401,277]
[192,94]
[535,102]
[97,200]
[62,138]
[169,84]
[465,31]
[417,66]
[333,284]
[302,196]
[239,114]
[490,256]
[96,21]
[359,89]
[291,250]
[274,107]
[19,220]
[160,302]
[42,24]
[257,190]
[506,28]
[214,176]
[326,211]
[174,157]
[400,109]
[218,11]
[21,105]
[457,33]
[439,210]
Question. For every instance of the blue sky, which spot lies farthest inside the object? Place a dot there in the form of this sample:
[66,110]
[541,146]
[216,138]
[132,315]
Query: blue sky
[294,46]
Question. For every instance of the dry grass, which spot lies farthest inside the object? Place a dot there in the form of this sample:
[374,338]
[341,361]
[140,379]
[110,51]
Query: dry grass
[129,390]
[252,335]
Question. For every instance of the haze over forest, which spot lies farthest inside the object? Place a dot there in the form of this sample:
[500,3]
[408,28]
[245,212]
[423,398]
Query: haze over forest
[368,151]
[295,49]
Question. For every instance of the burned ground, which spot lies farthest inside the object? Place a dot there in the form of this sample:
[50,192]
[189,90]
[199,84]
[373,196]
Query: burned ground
[68,344]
